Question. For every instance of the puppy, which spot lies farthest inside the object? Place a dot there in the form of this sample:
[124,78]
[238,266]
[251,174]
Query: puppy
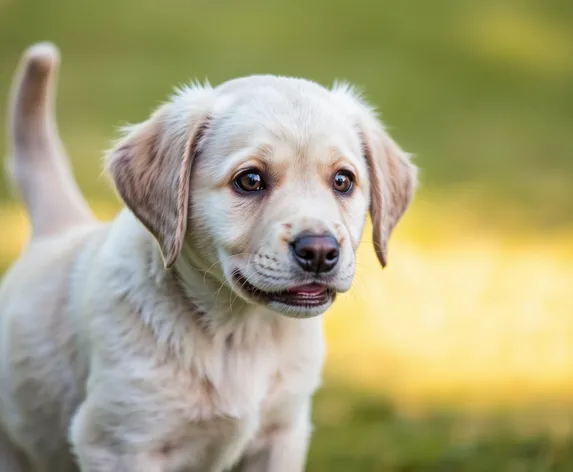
[185,335]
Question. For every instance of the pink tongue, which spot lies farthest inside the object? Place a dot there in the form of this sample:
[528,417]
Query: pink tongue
[310,289]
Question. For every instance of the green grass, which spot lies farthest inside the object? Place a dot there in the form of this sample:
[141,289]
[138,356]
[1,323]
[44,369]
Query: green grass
[358,432]
[480,91]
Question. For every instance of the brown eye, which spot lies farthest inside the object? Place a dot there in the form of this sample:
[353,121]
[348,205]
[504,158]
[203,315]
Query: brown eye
[343,182]
[250,181]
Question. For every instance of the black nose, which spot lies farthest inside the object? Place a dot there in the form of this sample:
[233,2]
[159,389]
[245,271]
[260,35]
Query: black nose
[316,253]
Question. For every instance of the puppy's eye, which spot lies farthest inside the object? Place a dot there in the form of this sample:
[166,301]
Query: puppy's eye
[250,180]
[343,181]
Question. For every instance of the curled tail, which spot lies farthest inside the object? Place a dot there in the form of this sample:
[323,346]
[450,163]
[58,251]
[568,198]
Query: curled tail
[39,167]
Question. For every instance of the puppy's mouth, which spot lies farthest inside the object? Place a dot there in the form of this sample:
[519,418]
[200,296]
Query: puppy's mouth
[306,296]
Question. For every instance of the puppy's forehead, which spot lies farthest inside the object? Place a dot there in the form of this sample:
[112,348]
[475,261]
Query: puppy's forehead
[293,114]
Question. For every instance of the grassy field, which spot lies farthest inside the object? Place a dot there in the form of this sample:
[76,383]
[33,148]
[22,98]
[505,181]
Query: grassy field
[459,355]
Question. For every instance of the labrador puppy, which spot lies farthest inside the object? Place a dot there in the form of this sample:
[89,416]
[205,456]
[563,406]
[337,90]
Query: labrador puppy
[185,335]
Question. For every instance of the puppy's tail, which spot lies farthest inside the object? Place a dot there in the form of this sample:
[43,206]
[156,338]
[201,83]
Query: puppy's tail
[38,166]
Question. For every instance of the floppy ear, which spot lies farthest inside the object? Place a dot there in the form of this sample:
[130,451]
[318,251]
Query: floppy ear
[393,177]
[151,169]
[392,185]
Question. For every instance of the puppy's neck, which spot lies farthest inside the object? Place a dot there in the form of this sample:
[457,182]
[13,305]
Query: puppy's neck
[209,291]
[194,303]
[222,313]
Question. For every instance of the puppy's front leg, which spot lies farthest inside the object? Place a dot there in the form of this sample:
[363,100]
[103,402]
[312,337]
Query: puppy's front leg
[286,453]
[93,446]
[142,434]
[285,449]
[102,446]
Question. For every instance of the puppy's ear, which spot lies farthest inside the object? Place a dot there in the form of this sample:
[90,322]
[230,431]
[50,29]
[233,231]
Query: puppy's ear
[150,167]
[393,180]
[393,177]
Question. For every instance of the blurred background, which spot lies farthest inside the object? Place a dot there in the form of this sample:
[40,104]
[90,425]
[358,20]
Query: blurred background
[459,355]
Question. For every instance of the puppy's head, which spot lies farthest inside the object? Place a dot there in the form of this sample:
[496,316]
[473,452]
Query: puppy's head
[267,182]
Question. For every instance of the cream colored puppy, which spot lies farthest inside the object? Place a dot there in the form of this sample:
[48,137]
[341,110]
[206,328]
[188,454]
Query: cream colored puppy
[185,336]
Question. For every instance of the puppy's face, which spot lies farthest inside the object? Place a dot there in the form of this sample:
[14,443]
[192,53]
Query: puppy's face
[279,195]
[268,183]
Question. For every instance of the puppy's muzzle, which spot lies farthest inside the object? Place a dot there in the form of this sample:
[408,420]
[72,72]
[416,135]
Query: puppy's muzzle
[316,253]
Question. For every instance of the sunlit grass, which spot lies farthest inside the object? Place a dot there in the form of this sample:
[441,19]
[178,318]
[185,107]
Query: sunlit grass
[458,319]
[457,356]
[476,321]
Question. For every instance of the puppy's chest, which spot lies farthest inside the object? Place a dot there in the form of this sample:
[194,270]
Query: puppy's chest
[240,382]
[232,398]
